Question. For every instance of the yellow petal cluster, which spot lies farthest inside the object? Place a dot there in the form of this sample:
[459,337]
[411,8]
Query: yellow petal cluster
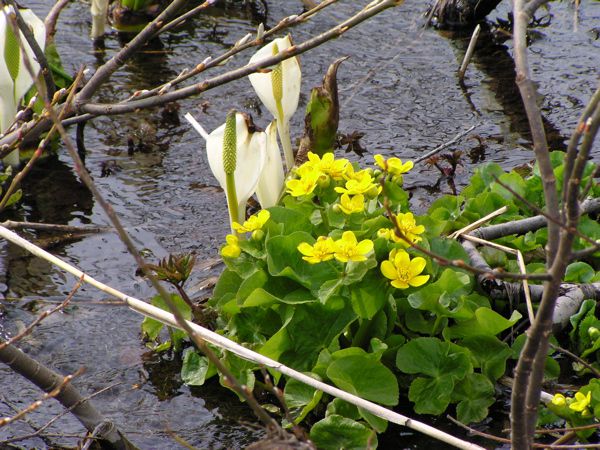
[349,249]
[403,271]
[254,222]
[354,204]
[408,226]
[323,250]
[581,403]
[345,249]
[232,248]
[328,165]
[394,166]
[559,400]
[359,183]
[304,185]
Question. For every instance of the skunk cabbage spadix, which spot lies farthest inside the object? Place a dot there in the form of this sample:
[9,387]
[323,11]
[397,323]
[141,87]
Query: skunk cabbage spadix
[279,90]
[236,157]
[271,180]
[15,78]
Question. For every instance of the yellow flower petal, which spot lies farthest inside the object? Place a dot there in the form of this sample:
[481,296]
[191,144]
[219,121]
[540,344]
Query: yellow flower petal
[388,270]
[402,271]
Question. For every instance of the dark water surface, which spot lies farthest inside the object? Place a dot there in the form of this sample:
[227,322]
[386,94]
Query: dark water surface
[399,87]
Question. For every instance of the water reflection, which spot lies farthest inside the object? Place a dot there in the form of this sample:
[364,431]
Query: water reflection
[496,64]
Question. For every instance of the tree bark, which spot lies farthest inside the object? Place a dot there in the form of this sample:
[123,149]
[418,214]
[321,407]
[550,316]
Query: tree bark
[47,380]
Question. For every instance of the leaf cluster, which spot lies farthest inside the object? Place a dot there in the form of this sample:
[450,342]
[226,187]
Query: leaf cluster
[440,344]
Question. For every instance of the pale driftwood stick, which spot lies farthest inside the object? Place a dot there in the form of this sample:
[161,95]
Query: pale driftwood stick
[441,147]
[47,380]
[12,225]
[224,343]
[468,54]
[570,296]
[523,226]
[41,317]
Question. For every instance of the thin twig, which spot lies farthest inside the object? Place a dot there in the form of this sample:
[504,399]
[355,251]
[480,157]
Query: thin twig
[12,225]
[507,441]
[52,18]
[198,88]
[27,330]
[16,181]
[441,147]
[35,405]
[469,53]
[107,69]
[576,358]
[39,431]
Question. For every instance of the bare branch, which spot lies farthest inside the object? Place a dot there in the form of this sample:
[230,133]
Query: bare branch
[35,405]
[27,330]
[106,70]
[198,88]
[52,18]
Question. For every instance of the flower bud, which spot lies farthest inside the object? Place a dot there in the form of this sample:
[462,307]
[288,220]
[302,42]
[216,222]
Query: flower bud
[258,235]
[323,181]
[373,191]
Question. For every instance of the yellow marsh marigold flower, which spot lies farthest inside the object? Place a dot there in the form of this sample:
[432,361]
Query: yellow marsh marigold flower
[581,402]
[305,185]
[232,249]
[354,204]
[360,183]
[254,222]
[559,400]
[394,166]
[328,165]
[408,226]
[322,250]
[349,249]
[403,271]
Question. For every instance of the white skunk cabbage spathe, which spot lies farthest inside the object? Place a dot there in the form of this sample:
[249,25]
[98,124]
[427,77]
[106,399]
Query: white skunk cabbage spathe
[279,90]
[15,78]
[236,157]
[98,9]
[271,180]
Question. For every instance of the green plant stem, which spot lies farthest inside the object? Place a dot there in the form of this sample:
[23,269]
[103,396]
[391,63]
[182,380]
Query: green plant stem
[283,128]
[325,220]
[362,334]
[232,203]
[437,325]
